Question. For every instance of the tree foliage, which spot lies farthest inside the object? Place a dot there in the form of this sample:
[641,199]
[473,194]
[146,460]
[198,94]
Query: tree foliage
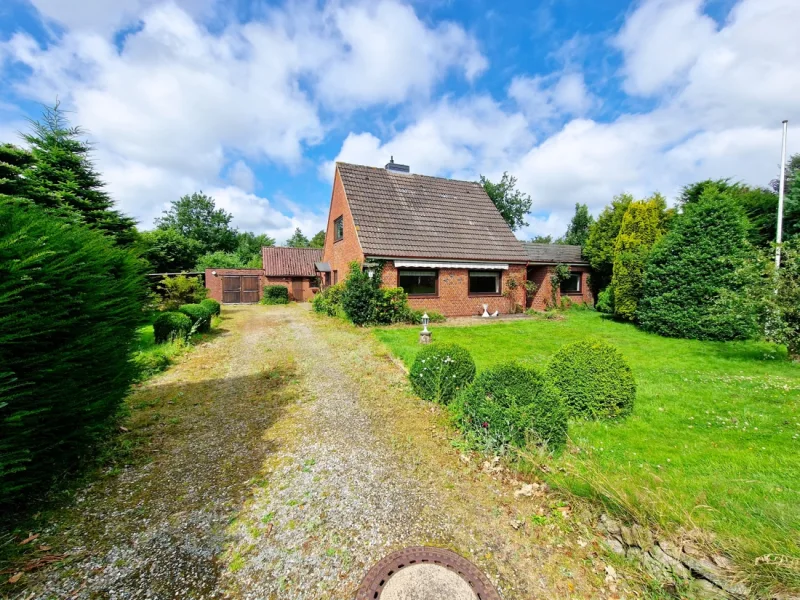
[318,241]
[227,260]
[693,268]
[578,228]
[641,227]
[196,217]
[360,296]
[542,239]
[298,240]
[59,175]
[168,251]
[601,242]
[511,202]
[250,244]
[70,302]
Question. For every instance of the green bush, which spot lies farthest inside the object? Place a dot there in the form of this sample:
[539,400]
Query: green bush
[64,366]
[605,301]
[200,316]
[361,293]
[214,307]
[440,370]
[511,405]
[180,290]
[415,316]
[692,267]
[275,294]
[594,380]
[169,326]
[329,301]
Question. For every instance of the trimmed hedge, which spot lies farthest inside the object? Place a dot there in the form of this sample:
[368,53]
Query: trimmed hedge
[200,316]
[214,307]
[171,325]
[593,379]
[275,294]
[440,371]
[511,405]
[64,365]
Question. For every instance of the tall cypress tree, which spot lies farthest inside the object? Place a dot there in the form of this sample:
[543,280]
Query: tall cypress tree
[62,178]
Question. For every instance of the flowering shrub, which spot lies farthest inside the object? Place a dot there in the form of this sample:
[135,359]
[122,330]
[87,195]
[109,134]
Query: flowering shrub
[440,370]
[511,405]
[593,379]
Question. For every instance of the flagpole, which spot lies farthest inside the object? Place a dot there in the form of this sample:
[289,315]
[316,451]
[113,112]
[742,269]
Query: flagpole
[781,187]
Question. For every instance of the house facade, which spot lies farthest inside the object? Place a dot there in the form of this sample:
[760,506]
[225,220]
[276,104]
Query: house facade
[442,240]
[542,259]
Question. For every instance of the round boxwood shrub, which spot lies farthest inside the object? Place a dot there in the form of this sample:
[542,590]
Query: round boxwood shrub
[171,325]
[593,379]
[212,305]
[200,316]
[440,370]
[511,405]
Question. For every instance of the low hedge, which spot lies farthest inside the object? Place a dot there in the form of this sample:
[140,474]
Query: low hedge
[171,325]
[440,371]
[593,379]
[415,316]
[212,305]
[511,405]
[200,316]
[329,301]
[275,294]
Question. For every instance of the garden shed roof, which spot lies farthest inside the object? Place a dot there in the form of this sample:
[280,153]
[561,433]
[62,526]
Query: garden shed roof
[290,262]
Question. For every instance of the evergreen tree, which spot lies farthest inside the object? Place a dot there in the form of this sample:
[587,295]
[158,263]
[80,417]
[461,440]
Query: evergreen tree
[298,240]
[13,162]
[601,242]
[62,178]
[640,229]
[197,217]
[578,228]
[693,267]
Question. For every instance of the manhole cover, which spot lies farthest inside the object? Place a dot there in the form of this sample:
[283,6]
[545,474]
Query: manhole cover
[425,574]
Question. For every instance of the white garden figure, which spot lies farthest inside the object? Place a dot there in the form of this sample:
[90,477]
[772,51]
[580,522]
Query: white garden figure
[486,311]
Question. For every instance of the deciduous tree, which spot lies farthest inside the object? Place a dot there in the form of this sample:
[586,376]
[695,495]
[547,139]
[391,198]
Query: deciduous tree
[511,202]
[196,217]
[168,251]
[318,241]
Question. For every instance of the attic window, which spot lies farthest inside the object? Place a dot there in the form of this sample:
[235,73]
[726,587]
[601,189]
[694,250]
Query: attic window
[338,229]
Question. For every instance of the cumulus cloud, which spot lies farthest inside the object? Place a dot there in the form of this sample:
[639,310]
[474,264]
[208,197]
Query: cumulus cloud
[543,98]
[173,98]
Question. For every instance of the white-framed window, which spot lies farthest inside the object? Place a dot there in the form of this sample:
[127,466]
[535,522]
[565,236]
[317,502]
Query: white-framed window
[484,282]
[572,284]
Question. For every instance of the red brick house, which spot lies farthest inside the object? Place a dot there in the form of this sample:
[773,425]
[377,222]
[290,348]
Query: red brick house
[294,268]
[442,240]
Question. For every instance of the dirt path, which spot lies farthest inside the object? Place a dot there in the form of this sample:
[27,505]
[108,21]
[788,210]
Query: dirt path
[287,456]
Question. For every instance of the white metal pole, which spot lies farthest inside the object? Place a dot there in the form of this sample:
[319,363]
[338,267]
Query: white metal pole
[781,187]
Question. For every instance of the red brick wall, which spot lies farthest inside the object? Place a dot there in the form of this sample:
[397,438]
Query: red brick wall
[307,291]
[541,276]
[214,282]
[340,254]
[454,300]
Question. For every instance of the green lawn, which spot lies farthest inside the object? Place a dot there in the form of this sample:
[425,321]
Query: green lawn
[714,439]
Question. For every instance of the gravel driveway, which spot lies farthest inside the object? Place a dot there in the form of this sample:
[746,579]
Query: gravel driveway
[284,458]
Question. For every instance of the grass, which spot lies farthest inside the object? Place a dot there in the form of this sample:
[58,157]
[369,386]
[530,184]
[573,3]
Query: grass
[713,441]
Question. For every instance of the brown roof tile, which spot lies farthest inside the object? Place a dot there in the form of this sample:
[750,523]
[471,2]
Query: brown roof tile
[416,216]
[293,262]
[555,253]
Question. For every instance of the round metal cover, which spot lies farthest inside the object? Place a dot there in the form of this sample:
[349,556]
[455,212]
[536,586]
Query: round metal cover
[378,577]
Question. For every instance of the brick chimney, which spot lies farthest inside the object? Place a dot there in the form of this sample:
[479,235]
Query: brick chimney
[397,167]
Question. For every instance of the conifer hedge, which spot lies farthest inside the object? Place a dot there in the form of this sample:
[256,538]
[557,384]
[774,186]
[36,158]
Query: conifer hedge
[70,301]
[695,266]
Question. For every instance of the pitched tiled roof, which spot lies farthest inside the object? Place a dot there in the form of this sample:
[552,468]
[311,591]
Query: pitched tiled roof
[415,216]
[296,262]
[555,253]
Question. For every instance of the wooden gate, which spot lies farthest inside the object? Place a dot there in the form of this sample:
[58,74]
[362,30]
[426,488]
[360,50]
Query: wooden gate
[239,289]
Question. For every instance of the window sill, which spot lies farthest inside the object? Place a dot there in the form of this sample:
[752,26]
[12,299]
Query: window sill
[486,295]
[429,296]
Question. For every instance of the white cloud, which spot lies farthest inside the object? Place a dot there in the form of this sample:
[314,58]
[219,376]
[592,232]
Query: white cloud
[661,39]
[173,98]
[242,176]
[544,98]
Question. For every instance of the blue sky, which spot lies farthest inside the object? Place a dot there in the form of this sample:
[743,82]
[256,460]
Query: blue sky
[253,102]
